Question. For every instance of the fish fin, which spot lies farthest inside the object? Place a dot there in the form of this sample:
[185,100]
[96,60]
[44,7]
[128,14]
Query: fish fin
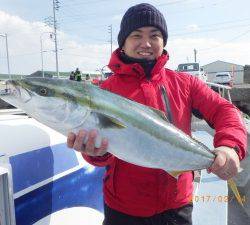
[106,121]
[159,113]
[175,174]
[234,188]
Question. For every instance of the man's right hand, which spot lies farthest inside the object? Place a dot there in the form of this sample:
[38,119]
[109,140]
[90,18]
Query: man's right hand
[76,141]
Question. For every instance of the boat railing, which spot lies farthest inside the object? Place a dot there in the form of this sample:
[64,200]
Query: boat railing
[7,215]
[223,90]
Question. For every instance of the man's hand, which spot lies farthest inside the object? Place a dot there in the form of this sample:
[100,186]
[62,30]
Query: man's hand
[76,141]
[226,164]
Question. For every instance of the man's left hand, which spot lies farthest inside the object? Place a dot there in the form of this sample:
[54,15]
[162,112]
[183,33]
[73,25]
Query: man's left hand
[226,164]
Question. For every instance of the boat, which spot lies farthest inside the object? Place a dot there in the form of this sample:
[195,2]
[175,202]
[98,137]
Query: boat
[42,181]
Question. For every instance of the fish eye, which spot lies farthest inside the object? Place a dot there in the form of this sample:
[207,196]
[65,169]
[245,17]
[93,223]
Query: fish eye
[43,91]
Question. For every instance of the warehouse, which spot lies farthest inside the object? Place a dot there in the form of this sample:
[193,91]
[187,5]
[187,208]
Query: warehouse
[236,71]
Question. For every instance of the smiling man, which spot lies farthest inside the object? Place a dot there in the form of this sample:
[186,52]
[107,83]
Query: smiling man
[135,195]
[144,43]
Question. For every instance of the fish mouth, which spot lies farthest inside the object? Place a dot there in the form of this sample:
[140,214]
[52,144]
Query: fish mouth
[4,90]
[15,90]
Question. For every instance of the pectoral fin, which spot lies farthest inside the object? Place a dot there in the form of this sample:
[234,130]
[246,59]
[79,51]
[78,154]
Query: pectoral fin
[105,121]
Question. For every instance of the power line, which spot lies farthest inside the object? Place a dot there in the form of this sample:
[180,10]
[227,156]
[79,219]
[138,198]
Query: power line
[75,10]
[85,56]
[209,30]
[234,38]
[172,2]
[81,15]
[29,53]
[198,8]
[36,53]
[85,3]
[191,32]
[77,19]
[219,23]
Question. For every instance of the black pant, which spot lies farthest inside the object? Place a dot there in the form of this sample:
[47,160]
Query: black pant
[180,216]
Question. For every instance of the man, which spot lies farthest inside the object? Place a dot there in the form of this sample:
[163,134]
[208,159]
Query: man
[138,195]
[72,75]
[78,76]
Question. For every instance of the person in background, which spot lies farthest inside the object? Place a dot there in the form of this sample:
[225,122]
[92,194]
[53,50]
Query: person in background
[72,75]
[87,77]
[135,195]
[78,75]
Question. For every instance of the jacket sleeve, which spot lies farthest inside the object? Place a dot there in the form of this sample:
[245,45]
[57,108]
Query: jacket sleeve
[107,158]
[229,126]
[99,160]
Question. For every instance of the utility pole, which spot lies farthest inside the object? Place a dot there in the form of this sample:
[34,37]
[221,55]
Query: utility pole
[41,45]
[110,30]
[56,8]
[7,53]
[195,54]
[41,50]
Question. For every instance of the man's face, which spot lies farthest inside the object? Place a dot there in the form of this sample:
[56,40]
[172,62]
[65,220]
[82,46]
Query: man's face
[144,43]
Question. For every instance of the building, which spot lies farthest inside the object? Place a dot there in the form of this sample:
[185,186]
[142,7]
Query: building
[237,71]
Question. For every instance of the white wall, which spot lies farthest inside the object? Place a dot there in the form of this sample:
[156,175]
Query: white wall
[220,66]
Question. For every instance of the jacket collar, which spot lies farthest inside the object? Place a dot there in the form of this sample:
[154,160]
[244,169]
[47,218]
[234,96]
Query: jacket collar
[135,69]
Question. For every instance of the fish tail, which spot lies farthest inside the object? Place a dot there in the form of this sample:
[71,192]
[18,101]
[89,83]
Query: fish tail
[234,188]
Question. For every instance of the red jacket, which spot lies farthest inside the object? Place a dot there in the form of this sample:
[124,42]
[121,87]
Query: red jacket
[139,191]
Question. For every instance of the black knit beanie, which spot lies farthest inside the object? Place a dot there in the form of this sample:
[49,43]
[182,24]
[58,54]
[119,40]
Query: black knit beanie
[141,15]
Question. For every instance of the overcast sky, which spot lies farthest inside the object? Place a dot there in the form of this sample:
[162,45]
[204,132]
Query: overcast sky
[218,29]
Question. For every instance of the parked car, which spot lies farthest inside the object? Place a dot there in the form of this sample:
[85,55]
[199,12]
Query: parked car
[224,78]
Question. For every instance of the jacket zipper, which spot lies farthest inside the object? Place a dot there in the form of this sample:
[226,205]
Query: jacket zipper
[166,103]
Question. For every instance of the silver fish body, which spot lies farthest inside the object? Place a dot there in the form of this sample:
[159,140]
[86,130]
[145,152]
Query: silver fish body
[136,133]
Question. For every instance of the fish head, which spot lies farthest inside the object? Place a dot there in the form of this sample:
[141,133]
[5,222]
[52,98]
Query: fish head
[24,93]
[50,101]
[16,93]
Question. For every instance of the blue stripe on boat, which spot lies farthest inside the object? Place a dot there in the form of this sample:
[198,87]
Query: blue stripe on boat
[35,166]
[76,189]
